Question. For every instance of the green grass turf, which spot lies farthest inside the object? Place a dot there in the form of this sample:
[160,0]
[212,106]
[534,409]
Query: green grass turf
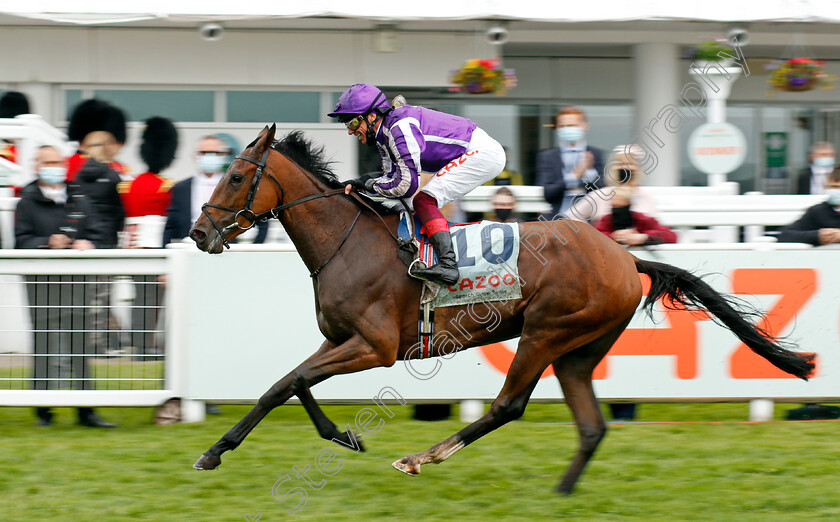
[699,470]
[112,373]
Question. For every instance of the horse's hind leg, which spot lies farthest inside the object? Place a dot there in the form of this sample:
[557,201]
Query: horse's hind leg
[521,379]
[574,371]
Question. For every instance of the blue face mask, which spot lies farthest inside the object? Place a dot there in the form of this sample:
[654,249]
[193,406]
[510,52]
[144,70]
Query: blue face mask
[52,175]
[833,197]
[570,134]
[824,162]
[211,163]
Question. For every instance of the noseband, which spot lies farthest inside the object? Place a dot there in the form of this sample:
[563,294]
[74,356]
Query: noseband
[247,213]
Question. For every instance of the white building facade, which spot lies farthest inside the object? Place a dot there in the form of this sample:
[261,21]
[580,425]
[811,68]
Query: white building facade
[290,70]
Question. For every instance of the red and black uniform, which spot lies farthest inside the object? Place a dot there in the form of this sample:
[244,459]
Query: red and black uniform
[147,194]
[146,200]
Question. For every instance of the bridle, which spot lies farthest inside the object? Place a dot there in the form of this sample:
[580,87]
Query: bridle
[252,218]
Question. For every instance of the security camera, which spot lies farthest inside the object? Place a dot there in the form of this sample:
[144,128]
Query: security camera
[211,32]
[497,35]
[740,35]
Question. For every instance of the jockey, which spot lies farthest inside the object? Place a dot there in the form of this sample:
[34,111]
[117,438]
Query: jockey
[411,140]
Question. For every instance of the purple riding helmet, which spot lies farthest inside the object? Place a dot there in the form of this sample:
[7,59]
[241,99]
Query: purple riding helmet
[360,98]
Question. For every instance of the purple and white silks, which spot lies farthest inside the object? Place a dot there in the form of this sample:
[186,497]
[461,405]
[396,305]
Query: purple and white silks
[414,139]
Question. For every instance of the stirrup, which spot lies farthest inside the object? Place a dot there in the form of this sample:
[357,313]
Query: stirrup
[422,267]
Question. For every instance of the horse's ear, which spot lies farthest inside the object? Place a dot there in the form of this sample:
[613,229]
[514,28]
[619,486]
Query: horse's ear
[265,139]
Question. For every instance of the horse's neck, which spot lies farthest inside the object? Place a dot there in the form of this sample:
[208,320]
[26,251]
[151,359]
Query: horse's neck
[317,227]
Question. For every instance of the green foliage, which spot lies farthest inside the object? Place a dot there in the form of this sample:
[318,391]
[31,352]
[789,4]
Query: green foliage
[709,465]
[709,51]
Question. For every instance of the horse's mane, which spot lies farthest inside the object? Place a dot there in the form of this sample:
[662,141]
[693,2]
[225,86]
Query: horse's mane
[312,159]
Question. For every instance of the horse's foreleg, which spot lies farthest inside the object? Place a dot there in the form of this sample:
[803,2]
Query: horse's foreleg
[275,396]
[351,356]
[522,377]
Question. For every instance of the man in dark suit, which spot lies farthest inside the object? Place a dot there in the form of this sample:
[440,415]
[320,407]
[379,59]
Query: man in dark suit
[573,168]
[188,195]
[812,180]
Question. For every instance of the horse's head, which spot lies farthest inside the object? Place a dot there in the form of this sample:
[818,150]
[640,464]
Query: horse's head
[237,199]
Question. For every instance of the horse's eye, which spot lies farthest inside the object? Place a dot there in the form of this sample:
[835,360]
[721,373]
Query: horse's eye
[237,178]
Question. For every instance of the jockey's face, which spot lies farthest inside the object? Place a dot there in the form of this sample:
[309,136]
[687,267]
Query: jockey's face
[361,131]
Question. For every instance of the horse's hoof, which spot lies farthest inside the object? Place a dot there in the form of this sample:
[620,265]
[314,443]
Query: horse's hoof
[564,489]
[207,462]
[351,440]
[358,439]
[406,466]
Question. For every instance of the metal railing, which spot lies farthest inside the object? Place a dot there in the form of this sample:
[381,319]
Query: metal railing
[84,328]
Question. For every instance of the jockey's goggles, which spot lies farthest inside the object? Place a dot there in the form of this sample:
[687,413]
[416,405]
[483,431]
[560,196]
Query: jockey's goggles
[354,124]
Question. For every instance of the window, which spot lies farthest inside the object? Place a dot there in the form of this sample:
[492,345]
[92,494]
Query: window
[273,106]
[175,105]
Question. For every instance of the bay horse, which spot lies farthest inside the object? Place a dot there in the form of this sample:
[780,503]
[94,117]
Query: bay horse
[576,300]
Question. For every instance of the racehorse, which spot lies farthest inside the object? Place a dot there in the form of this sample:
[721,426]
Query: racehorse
[577,298]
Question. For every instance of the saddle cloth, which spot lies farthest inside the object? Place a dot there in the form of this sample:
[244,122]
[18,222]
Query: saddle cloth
[487,253]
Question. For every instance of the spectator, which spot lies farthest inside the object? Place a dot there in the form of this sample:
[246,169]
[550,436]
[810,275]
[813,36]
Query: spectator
[823,159]
[631,228]
[820,225]
[507,176]
[98,181]
[90,116]
[504,205]
[623,170]
[51,214]
[146,199]
[12,104]
[188,195]
[573,167]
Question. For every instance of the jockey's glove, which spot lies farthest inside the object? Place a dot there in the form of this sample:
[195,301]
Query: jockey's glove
[362,183]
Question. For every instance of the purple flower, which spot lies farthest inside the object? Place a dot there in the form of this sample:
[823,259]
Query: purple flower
[798,82]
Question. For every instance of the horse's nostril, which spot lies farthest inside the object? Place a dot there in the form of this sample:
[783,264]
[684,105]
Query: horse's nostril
[197,235]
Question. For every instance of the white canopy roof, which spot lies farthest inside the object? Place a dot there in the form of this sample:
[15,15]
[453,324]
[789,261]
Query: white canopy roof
[109,12]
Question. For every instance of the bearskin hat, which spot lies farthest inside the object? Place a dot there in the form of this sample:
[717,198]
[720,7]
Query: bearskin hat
[160,140]
[115,123]
[12,104]
[88,116]
[96,115]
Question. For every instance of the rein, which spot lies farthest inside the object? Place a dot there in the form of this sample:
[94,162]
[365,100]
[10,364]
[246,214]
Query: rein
[252,218]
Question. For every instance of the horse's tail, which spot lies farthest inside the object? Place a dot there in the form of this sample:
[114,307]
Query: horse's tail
[685,290]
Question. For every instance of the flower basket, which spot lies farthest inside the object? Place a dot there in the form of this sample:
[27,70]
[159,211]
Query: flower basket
[798,75]
[482,77]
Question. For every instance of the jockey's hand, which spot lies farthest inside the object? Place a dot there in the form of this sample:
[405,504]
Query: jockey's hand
[363,183]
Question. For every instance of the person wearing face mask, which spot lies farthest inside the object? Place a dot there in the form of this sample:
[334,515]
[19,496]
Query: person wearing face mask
[410,140]
[624,169]
[504,205]
[630,228]
[188,195]
[820,225]
[211,158]
[823,159]
[52,214]
[574,167]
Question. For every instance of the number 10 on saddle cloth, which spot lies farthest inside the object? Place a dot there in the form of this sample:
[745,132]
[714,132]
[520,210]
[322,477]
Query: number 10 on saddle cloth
[487,254]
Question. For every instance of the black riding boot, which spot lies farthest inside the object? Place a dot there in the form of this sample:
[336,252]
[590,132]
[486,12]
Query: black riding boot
[446,270]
